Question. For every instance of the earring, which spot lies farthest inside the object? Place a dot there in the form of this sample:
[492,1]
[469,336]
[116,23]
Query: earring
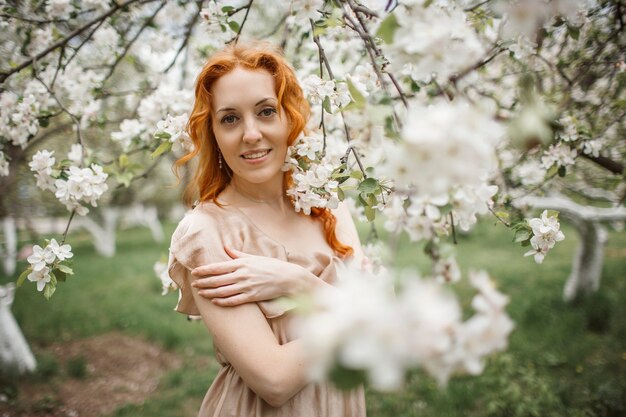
[219,158]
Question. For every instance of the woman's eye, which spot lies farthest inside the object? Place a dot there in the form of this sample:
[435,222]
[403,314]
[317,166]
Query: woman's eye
[229,120]
[267,112]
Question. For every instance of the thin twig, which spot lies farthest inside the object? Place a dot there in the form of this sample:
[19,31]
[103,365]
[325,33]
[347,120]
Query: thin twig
[65,110]
[243,22]
[476,6]
[453,229]
[504,222]
[65,40]
[344,159]
[67,228]
[186,37]
[132,41]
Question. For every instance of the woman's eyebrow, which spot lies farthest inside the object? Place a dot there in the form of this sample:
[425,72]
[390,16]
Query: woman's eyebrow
[263,100]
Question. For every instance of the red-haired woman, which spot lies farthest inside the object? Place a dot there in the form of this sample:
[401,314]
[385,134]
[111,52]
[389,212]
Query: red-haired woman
[243,245]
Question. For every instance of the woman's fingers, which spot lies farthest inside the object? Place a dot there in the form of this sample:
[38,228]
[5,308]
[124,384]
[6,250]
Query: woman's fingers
[234,253]
[221,292]
[216,268]
[232,301]
[215,281]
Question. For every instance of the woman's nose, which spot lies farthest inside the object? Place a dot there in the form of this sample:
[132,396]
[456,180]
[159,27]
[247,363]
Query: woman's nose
[251,132]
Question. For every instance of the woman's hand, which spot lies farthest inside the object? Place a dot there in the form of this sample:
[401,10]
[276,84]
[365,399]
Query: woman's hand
[249,278]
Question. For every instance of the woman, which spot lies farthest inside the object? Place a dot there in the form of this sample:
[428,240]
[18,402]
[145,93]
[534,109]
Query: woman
[246,245]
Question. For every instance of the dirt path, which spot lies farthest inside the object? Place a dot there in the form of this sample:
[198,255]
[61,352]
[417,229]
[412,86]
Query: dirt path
[119,369]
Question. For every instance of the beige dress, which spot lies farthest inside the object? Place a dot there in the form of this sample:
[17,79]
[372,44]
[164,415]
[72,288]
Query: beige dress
[199,239]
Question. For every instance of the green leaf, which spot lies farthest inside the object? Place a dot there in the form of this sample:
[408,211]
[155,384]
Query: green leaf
[340,194]
[53,279]
[553,213]
[164,147]
[65,269]
[234,26]
[326,105]
[368,186]
[357,174]
[521,236]
[22,277]
[573,32]
[125,178]
[357,97]
[48,290]
[319,30]
[44,121]
[370,213]
[227,9]
[61,276]
[387,28]
[162,135]
[123,160]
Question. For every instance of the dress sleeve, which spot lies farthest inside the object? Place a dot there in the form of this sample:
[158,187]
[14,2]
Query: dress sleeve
[198,240]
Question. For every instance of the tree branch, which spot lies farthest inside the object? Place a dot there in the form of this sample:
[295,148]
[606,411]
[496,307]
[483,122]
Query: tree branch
[64,41]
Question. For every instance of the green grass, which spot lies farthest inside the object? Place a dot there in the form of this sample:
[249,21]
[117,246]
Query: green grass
[563,360]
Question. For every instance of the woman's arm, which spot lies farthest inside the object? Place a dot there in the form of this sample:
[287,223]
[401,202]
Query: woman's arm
[274,372]
[249,278]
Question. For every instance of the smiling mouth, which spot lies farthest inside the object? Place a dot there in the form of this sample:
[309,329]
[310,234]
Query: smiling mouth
[255,155]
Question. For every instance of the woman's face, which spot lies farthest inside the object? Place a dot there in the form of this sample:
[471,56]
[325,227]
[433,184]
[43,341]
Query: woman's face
[249,132]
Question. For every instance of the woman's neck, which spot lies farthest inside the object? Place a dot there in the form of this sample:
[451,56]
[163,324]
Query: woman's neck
[271,195]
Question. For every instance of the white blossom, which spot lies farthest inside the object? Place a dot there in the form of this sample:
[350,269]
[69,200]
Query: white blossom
[546,232]
[41,257]
[59,8]
[129,130]
[160,269]
[173,128]
[360,324]
[560,154]
[433,42]
[62,252]
[530,172]
[41,277]
[76,153]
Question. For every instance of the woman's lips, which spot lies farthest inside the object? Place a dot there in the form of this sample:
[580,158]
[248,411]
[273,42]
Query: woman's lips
[255,156]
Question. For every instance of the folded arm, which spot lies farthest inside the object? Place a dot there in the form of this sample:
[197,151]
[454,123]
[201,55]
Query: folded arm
[273,371]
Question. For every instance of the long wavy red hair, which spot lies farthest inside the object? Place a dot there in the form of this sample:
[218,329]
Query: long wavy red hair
[209,180]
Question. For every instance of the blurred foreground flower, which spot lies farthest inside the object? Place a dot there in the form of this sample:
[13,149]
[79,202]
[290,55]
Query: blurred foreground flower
[361,329]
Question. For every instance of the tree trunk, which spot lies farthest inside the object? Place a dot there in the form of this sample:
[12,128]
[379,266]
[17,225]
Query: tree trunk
[587,263]
[15,355]
[8,250]
[103,236]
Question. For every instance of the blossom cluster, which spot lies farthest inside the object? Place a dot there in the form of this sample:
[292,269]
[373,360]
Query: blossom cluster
[317,90]
[44,260]
[312,176]
[19,114]
[173,129]
[433,41]
[361,325]
[546,232]
[443,163]
[72,185]
[156,110]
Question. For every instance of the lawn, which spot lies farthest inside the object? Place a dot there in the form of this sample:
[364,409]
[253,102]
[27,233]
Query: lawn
[563,360]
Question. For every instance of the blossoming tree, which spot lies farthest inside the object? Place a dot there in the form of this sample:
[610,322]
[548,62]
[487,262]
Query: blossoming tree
[428,113]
